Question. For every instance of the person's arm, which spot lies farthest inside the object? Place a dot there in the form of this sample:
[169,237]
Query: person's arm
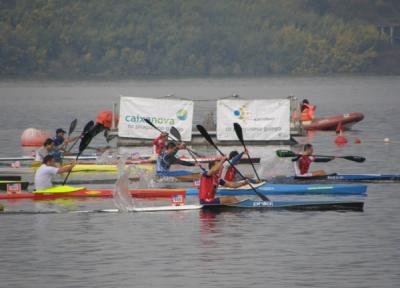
[236,159]
[230,184]
[217,167]
[65,168]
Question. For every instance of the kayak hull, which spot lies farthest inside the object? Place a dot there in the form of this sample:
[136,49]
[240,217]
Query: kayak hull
[339,178]
[291,205]
[291,189]
[331,123]
[85,193]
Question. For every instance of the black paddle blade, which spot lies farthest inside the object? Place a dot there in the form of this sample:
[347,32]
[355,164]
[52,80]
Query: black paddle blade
[150,123]
[285,153]
[358,159]
[239,132]
[88,126]
[205,134]
[175,132]
[85,142]
[72,126]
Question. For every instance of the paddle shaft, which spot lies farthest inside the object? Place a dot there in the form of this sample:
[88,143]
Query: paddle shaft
[239,134]
[205,134]
[288,153]
[175,132]
[169,137]
[69,172]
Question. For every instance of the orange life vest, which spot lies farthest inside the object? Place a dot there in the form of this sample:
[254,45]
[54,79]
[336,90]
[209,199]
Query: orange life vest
[207,188]
[230,174]
[308,113]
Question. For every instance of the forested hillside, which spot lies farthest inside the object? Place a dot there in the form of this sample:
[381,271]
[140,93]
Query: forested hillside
[140,38]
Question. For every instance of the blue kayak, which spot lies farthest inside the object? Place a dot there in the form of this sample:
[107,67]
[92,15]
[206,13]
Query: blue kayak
[291,205]
[290,189]
[338,178]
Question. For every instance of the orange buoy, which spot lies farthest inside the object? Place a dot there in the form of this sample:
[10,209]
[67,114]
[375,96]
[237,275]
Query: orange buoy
[357,140]
[340,139]
[34,137]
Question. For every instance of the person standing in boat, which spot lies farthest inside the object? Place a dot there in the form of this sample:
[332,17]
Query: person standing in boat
[303,162]
[44,175]
[307,111]
[159,143]
[167,157]
[209,182]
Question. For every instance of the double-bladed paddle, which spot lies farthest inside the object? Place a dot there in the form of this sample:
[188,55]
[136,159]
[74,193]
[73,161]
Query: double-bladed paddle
[288,153]
[175,132]
[86,129]
[239,134]
[82,146]
[207,136]
[155,127]
[72,127]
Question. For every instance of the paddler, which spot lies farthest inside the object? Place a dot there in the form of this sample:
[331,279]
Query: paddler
[167,157]
[60,141]
[307,111]
[159,143]
[228,172]
[45,173]
[209,182]
[47,149]
[303,162]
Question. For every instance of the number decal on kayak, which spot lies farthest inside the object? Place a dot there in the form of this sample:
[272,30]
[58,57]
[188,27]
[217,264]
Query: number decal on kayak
[261,203]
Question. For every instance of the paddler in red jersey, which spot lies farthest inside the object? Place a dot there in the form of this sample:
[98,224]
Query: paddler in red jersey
[303,162]
[209,182]
[307,111]
[159,143]
[228,173]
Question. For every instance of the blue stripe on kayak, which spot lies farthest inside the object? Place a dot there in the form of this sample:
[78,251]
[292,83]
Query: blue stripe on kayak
[343,177]
[174,173]
[291,189]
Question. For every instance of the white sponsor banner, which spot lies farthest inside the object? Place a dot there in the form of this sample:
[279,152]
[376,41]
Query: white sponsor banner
[162,113]
[260,119]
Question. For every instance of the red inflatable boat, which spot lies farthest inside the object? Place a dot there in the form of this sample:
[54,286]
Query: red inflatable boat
[331,123]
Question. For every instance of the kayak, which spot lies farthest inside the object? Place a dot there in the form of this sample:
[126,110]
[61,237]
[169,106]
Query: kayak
[264,188]
[291,205]
[290,189]
[79,192]
[331,123]
[372,178]
[179,175]
[141,160]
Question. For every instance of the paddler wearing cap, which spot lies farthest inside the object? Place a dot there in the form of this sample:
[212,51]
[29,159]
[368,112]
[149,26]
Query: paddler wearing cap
[60,141]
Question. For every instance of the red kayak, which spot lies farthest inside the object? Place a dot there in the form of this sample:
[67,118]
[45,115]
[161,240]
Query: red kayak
[138,193]
[331,123]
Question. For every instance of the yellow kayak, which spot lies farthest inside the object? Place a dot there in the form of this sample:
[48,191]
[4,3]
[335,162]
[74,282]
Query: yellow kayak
[104,167]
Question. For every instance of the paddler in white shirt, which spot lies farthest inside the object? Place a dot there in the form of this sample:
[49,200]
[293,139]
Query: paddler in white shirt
[44,175]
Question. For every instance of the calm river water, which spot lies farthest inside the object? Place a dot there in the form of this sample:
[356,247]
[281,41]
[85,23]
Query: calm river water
[197,249]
